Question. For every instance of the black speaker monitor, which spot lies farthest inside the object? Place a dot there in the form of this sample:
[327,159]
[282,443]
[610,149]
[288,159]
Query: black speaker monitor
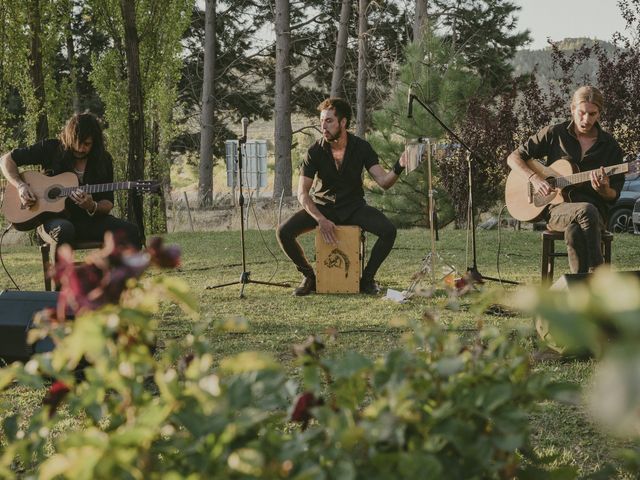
[17,309]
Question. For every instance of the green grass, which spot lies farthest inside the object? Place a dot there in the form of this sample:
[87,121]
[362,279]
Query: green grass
[278,320]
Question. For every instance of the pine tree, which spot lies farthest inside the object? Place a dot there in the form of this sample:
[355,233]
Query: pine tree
[442,81]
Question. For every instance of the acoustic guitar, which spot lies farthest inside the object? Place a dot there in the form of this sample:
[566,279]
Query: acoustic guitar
[51,192]
[526,205]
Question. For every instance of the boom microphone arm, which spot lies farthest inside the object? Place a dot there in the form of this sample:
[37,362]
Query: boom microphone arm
[472,270]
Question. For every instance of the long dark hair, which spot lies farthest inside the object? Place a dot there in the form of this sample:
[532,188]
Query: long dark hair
[77,130]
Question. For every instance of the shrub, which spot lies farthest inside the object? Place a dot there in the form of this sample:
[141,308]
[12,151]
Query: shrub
[600,317]
[433,409]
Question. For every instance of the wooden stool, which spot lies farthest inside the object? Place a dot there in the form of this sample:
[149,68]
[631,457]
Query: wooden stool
[48,254]
[339,267]
[549,253]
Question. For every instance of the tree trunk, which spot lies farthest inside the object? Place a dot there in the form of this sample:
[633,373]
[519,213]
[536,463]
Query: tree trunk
[36,70]
[341,49]
[361,94]
[207,116]
[283,134]
[420,20]
[135,161]
[158,170]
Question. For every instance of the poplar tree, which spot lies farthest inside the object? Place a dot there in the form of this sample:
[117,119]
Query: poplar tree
[160,25]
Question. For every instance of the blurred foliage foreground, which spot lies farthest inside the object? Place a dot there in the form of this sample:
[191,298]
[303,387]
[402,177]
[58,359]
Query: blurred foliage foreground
[436,408]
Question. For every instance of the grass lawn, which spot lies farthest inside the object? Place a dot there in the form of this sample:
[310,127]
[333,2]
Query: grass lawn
[278,320]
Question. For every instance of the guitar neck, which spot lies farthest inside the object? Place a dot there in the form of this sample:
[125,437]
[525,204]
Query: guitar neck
[98,188]
[582,177]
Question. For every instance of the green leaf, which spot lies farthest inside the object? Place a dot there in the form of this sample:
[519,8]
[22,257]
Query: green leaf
[7,376]
[247,461]
[10,426]
[312,472]
[449,366]
[248,362]
[349,364]
[419,465]
[178,291]
[497,395]
[509,442]
[76,463]
[312,378]
[345,470]
[231,324]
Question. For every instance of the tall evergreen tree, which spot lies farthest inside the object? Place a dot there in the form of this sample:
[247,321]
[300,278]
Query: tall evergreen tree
[207,117]
[484,33]
[441,79]
[342,38]
[242,83]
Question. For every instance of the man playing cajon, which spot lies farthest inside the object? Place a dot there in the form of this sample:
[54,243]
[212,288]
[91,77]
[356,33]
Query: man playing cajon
[336,162]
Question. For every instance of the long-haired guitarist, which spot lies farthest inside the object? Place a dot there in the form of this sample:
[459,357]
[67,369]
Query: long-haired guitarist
[583,142]
[79,149]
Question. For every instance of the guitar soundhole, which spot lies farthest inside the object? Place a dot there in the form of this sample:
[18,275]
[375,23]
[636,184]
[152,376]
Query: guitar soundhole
[53,193]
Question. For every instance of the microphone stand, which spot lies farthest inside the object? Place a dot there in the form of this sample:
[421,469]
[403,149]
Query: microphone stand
[244,275]
[472,271]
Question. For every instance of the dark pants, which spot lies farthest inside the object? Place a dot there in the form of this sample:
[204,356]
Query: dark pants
[62,230]
[368,218]
[582,225]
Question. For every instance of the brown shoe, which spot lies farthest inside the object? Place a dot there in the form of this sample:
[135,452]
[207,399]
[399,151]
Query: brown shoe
[307,286]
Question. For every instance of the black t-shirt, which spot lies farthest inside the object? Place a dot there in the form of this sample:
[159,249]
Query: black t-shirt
[558,141]
[339,191]
[54,160]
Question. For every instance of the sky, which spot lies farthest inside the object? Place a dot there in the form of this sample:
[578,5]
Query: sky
[558,19]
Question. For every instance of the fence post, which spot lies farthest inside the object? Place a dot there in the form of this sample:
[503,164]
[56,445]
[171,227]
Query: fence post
[186,201]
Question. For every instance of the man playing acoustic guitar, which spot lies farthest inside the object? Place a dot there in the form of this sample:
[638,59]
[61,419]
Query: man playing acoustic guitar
[582,141]
[79,149]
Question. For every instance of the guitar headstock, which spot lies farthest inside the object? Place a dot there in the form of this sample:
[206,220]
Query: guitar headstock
[147,186]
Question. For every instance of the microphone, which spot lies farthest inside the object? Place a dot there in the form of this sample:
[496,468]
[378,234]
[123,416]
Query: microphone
[245,125]
[410,102]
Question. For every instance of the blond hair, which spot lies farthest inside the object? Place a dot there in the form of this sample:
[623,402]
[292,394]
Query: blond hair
[588,94]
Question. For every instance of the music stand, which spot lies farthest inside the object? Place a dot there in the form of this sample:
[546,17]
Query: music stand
[244,275]
[472,270]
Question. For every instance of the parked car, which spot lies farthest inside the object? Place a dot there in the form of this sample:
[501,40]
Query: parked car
[620,215]
[636,217]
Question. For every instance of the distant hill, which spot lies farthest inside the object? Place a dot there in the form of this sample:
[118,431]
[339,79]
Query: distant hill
[525,60]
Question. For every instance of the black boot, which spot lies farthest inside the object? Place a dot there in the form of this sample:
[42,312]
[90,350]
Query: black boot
[307,286]
[369,286]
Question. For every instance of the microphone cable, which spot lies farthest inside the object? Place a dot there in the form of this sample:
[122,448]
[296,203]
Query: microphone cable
[500,245]
[255,214]
[4,267]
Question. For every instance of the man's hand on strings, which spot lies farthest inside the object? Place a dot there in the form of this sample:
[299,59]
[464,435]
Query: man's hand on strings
[599,181]
[540,185]
[26,195]
[82,199]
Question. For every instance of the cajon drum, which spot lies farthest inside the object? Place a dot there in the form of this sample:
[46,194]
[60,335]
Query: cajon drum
[338,267]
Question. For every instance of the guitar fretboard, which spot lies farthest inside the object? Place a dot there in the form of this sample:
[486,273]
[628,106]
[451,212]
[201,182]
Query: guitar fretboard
[581,177]
[99,187]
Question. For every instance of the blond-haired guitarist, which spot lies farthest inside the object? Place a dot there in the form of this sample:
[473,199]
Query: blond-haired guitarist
[588,147]
[79,150]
